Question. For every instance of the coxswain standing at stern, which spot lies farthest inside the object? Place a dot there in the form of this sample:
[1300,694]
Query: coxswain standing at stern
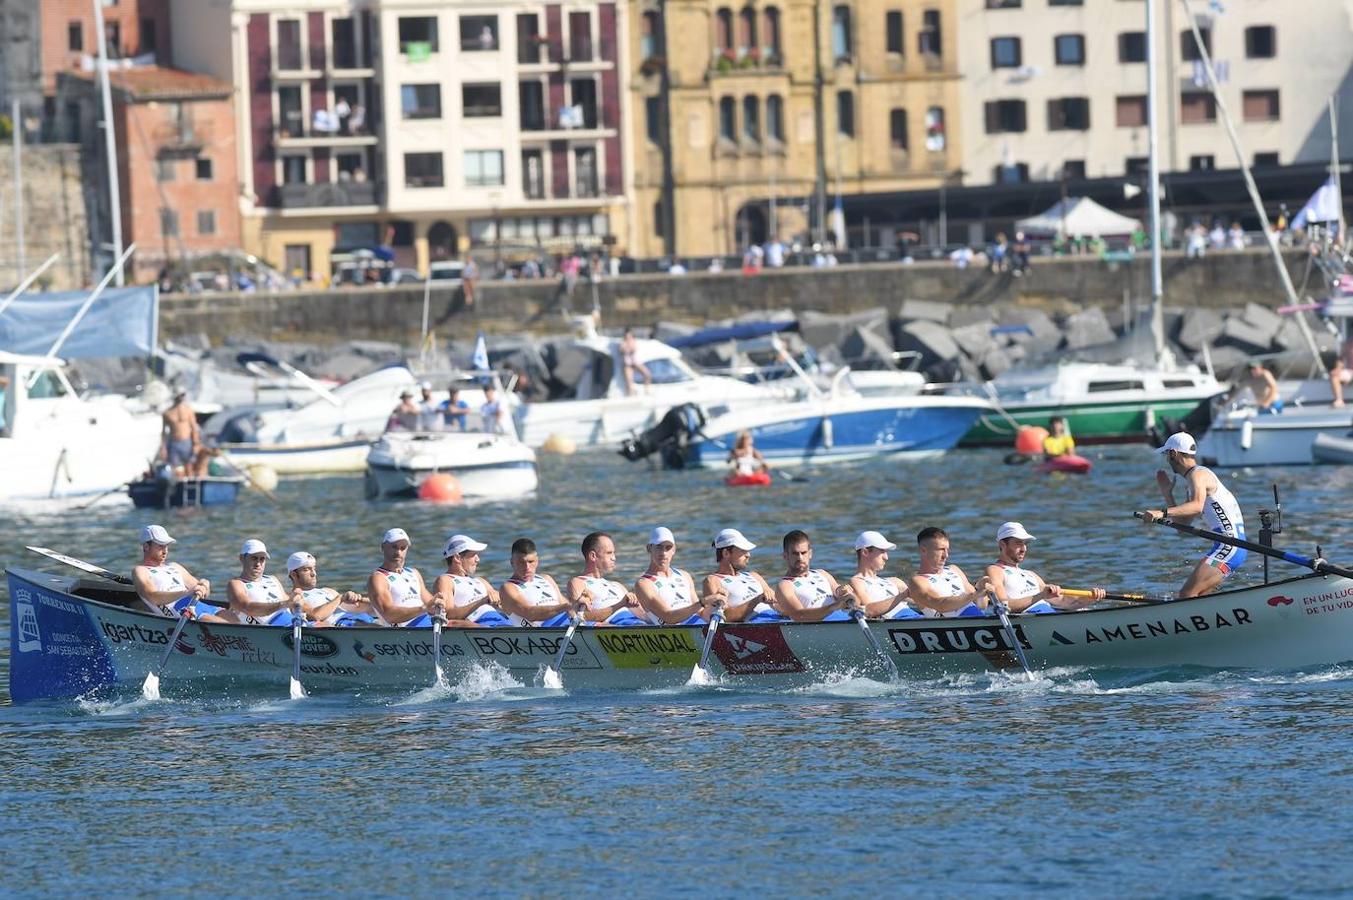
[1210,498]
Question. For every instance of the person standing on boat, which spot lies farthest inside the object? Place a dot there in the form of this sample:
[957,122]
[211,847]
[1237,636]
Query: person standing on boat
[322,605]
[493,411]
[1341,373]
[745,459]
[629,362]
[531,597]
[883,596]
[429,411]
[1059,442]
[608,602]
[397,591]
[472,597]
[255,598]
[1262,385]
[667,594]
[940,589]
[168,587]
[745,595]
[405,415]
[180,434]
[1208,497]
[1018,588]
[454,410]
[805,594]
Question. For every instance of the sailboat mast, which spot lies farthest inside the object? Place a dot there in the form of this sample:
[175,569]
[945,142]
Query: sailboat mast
[109,141]
[1153,174]
[1334,167]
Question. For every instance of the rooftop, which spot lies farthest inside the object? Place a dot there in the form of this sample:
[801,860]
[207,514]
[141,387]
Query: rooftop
[143,83]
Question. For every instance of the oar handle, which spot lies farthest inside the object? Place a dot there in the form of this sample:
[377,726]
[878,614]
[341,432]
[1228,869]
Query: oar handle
[1125,598]
[1320,566]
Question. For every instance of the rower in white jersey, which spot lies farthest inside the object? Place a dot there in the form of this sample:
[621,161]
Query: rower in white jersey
[743,593]
[255,598]
[882,596]
[324,606]
[1210,498]
[607,602]
[167,587]
[471,597]
[1018,588]
[397,591]
[939,589]
[531,597]
[805,594]
[666,593]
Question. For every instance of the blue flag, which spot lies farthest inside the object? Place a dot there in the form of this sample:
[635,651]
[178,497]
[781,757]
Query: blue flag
[480,360]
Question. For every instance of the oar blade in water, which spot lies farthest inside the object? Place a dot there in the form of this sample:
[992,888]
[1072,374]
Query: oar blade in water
[552,680]
[297,691]
[150,688]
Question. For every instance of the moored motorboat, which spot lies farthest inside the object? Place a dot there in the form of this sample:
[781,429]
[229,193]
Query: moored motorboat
[489,466]
[161,492]
[1328,448]
[1245,437]
[75,636]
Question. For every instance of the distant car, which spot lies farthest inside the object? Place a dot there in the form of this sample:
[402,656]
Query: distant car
[450,271]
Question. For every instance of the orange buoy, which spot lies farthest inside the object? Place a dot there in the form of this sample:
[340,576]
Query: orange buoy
[1029,439]
[440,488]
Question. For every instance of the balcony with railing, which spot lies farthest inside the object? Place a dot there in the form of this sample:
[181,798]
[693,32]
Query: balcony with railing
[326,128]
[330,195]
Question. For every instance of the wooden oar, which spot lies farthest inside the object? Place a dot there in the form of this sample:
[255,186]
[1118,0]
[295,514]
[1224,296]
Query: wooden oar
[700,672]
[80,564]
[858,615]
[1010,635]
[150,688]
[552,679]
[1125,598]
[297,689]
[1318,565]
[438,620]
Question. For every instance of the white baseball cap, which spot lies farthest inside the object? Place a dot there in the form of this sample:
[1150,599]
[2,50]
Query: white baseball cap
[155,534]
[731,537]
[252,546]
[1013,530]
[395,534]
[459,543]
[299,560]
[1181,441]
[873,539]
[661,535]
[425,385]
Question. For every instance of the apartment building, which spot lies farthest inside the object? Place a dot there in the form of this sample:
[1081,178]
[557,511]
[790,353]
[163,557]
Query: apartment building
[431,128]
[1058,87]
[749,120]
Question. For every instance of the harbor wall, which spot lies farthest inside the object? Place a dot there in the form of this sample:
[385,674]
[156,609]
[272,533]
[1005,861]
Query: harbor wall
[1222,280]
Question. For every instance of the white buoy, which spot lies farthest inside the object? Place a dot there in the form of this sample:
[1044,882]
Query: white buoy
[263,478]
[560,444]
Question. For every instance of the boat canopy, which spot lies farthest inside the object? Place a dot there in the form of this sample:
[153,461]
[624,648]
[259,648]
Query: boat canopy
[120,323]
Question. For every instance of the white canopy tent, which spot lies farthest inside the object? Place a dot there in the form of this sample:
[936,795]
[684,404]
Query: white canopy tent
[1079,216]
[1322,207]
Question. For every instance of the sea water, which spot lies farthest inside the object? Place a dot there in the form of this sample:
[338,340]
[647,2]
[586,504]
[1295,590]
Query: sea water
[1131,782]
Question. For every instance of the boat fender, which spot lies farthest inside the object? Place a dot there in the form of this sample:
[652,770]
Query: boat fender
[1246,434]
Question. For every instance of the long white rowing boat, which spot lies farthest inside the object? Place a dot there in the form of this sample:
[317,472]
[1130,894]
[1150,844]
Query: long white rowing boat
[73,636]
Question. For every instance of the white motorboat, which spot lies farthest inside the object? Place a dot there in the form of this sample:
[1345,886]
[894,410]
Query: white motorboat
[601,412]
[56,444]
[1245,437]
[487,466]
[1331,449]
[261,382]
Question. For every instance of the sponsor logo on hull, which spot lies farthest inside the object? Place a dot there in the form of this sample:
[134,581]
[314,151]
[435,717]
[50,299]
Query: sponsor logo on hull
[648,649]
[316,646]
[955,639]
[520,651]
[755,650]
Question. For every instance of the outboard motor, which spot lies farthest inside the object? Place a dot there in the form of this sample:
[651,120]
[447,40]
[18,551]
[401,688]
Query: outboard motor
[1195,423]
[669,437]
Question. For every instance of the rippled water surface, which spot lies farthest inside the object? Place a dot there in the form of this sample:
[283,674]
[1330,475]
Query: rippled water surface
[1127,782]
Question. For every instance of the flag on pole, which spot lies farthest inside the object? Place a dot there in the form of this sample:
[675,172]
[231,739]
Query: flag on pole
[481,354]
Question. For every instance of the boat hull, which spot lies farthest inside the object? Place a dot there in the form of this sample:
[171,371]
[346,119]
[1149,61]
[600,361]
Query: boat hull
[487,466]
[319,458]
[1246,439]
[1115,422]
[71,637]
[1328,449]
[160,493]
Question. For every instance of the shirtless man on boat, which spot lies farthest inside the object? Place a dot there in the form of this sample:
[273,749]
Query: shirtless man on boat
[939,589]
[323,606]
[607,602]
[397,591]
[472,597]
[180,435]
[666,593]
[805,594]
[883,596]
[1018,588]
[164,586]
[1207,497]
[531,597]
[1260,382]
[255,598]
[743,593]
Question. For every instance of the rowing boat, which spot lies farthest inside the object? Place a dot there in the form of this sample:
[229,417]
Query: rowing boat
[72,636]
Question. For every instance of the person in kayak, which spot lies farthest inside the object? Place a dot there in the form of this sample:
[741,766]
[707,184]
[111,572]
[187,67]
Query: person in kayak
[168,587]
[397,591]
[256,598]
[882,596]
[744,458]
[324,606]
[472,597]
[531,597]
[607,602]
[939,589]
[666,593]
[1018,588]
[1059,441]
[744,594]
[1207,497]
[805,594]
